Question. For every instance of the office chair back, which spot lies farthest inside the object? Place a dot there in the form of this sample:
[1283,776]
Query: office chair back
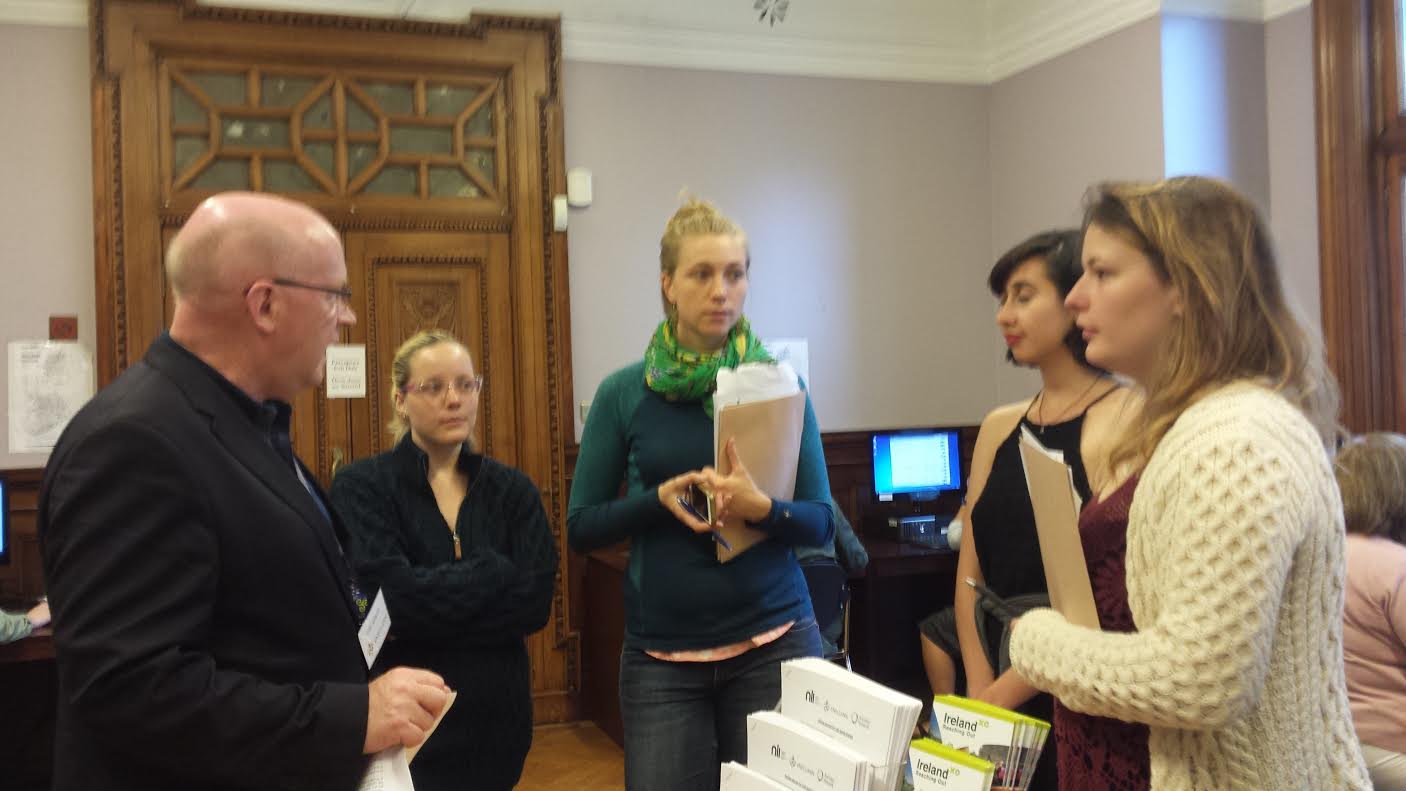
[829,596]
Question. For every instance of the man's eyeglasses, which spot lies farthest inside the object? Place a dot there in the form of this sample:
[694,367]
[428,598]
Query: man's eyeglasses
[434,388]
[343,294]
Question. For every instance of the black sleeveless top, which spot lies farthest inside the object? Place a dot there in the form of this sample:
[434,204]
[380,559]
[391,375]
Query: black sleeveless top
[1008,547]
[1003,519]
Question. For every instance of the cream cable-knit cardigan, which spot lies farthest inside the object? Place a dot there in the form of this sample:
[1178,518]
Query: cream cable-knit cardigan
[1235,581]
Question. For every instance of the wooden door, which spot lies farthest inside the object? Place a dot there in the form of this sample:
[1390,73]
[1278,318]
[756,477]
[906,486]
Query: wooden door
[434,149]
[405,282]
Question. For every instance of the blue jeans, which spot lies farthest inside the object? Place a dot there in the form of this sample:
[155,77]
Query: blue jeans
[684,719]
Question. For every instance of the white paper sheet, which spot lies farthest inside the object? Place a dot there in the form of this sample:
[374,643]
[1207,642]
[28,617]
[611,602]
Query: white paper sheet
[388,771]
[49,382]
[751,382]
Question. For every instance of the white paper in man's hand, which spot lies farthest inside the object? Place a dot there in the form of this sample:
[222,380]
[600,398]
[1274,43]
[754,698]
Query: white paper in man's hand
[388,771]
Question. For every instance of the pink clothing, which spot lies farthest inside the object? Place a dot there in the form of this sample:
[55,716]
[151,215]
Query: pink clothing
[1374,640]
[722,652]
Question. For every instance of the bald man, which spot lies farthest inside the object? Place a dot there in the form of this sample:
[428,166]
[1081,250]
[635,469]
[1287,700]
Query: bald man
[205,618]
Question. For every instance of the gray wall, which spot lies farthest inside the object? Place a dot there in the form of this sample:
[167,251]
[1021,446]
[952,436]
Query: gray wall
[1214,103]
[46,208]
[1293,176]
[866,204]
[1090,115]
[875,209]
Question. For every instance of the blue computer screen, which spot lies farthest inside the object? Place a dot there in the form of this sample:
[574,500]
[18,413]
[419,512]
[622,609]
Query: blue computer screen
[916,462]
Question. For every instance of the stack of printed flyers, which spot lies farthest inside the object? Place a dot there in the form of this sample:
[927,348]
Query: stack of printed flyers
[835,730]
[976,747]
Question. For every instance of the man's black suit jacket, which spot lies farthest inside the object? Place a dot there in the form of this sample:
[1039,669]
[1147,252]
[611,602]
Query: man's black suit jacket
[205,633]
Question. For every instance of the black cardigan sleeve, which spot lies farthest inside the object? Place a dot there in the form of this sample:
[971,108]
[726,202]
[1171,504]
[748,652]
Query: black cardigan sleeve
[499,591]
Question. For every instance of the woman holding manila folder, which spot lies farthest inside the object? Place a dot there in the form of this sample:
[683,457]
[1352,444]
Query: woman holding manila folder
[1234,563]
[704,640]
[1076,411]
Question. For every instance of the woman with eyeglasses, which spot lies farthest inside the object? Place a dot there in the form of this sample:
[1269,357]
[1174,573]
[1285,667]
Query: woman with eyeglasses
[460,545]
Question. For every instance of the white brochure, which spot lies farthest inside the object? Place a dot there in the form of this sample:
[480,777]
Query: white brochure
[801,758]
[877,722]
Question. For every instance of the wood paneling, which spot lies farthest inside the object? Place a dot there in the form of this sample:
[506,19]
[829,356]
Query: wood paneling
[1359,208]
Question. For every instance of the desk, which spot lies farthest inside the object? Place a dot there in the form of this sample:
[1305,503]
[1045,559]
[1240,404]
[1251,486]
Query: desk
[603,592]
[29,689]
[903,584]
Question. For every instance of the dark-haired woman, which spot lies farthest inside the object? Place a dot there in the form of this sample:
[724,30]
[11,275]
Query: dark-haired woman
[1076,411]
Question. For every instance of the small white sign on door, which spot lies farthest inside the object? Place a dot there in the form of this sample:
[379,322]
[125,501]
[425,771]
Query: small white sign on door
[346,370]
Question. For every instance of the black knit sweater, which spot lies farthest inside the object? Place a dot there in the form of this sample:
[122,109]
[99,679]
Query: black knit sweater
[464,619]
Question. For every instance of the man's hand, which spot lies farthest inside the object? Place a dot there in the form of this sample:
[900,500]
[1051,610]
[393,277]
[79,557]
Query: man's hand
[403,704]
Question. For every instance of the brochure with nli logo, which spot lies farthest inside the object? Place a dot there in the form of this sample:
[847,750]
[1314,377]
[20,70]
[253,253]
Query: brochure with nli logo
[800,757]
[736,777]
[849,708]
[934,766]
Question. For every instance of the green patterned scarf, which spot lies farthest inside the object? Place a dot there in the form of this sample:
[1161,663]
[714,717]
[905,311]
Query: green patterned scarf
[681,375]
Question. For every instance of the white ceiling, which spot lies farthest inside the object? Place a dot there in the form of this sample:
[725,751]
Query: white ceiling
[964,41]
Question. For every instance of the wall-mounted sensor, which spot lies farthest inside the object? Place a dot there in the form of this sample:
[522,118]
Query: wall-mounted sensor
[559,213]
[578,187]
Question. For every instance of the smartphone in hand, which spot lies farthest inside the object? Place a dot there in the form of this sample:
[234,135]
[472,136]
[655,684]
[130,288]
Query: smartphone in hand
[686,503]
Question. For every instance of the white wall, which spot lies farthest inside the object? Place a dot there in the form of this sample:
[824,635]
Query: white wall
[46,206]
[866,204]
[875,209]
[1214,104]
[1293,177]
[1090,115]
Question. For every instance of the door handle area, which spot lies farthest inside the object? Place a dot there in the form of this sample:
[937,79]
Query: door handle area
[337,458]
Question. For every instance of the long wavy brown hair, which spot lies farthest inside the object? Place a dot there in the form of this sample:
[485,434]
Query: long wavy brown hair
[1209,243]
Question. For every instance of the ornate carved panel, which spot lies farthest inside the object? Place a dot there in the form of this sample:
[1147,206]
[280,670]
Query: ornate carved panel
[327,131]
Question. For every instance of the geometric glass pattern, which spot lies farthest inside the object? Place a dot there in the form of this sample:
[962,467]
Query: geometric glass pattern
[301,129]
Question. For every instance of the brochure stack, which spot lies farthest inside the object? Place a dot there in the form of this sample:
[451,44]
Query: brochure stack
[1007,742]
[835,731]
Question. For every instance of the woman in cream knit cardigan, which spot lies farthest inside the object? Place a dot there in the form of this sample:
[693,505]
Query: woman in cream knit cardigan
[1235,534]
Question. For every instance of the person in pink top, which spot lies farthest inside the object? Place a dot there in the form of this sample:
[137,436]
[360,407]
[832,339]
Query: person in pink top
[1371,472]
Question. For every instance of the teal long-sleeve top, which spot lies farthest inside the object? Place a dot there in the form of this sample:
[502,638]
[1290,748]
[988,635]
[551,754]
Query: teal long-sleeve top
[678,597]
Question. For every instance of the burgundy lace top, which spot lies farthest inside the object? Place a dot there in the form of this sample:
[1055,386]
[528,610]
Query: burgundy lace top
[1099,752]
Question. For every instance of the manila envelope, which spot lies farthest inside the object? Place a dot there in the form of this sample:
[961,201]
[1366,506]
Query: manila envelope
[1056,508]
[768,436]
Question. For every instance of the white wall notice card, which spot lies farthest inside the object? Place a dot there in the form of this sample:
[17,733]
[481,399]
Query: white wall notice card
[346,370]
[49,382]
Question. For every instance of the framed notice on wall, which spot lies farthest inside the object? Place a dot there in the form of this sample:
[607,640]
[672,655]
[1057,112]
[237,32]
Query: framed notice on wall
[49,382]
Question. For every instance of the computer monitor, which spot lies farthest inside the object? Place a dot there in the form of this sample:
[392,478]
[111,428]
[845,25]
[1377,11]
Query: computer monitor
[918,464]
[4,521]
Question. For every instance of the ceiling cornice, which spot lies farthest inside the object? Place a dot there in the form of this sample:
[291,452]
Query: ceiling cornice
[768,53]
[1058,26]
[1017,38]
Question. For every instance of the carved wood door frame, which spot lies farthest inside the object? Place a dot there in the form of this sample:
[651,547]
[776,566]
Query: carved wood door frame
[170,127]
